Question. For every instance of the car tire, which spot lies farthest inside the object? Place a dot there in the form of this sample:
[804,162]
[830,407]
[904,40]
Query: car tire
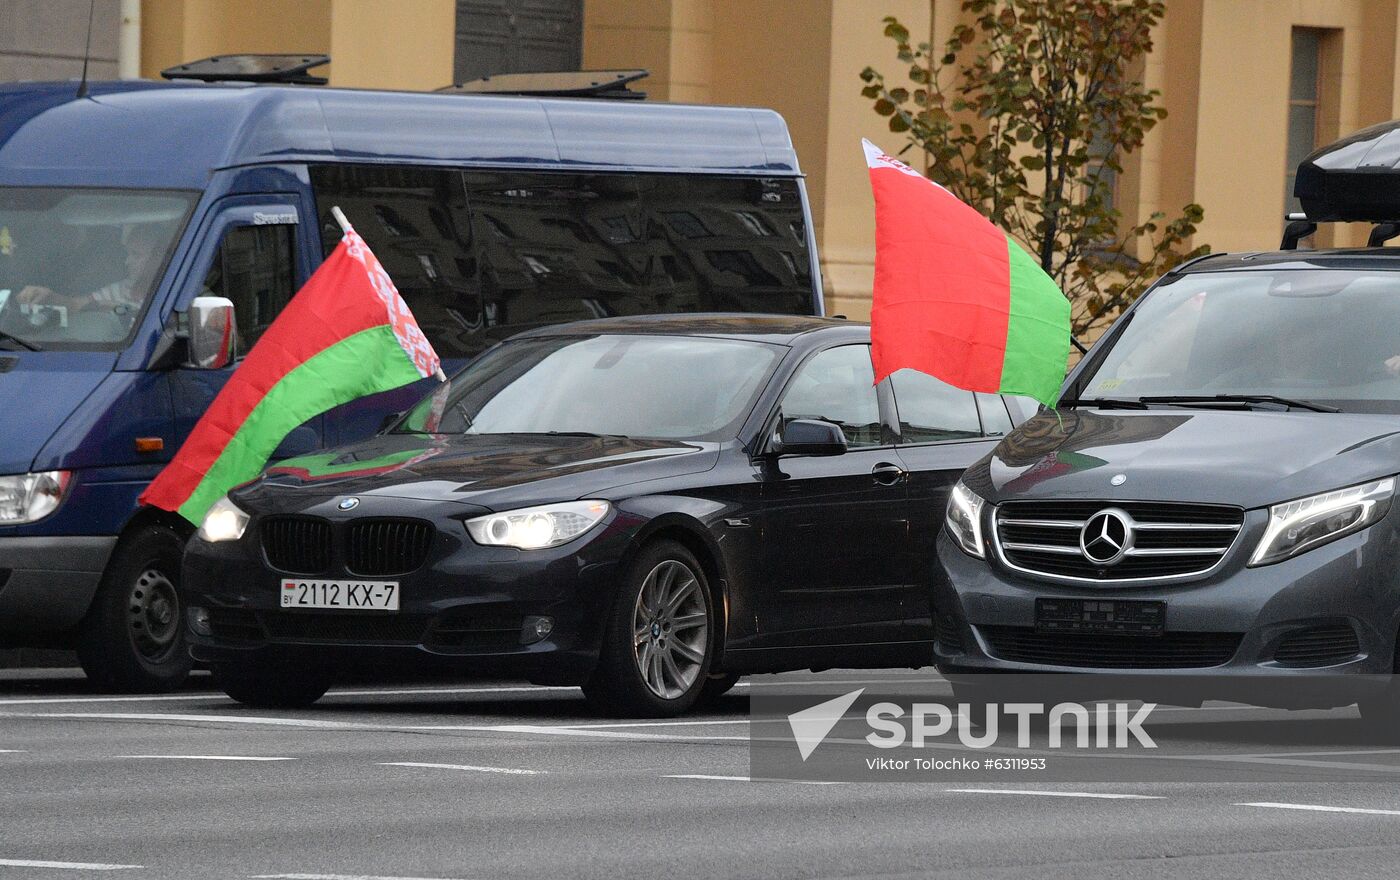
[132,639]
[716,686]
[264,685]
[658,638]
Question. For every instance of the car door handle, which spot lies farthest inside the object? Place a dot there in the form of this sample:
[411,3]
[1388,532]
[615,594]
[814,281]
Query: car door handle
[887,474]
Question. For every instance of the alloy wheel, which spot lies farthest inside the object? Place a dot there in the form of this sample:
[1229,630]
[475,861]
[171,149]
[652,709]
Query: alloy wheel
[670,628]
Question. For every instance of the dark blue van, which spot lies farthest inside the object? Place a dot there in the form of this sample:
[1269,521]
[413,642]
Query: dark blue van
[493,214]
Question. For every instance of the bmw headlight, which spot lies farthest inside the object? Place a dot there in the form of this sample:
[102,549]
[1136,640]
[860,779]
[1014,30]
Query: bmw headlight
[25,498]
[964,519]
[1297,526]
[223,522]
[535,528]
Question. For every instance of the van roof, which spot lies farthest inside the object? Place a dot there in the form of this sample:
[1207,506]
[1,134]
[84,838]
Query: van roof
[173,135]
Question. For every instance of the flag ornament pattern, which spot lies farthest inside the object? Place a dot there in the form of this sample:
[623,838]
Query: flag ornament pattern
[955,297]
[346,334]
[405,326]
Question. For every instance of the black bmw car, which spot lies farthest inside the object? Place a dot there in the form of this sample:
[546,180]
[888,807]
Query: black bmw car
[646,507]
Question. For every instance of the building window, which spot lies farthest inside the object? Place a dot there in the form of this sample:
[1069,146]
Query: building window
[517,36]
[1303,92]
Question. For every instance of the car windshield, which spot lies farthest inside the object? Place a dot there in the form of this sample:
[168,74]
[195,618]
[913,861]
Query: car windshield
[1329,338]
[662,387]
[78,265]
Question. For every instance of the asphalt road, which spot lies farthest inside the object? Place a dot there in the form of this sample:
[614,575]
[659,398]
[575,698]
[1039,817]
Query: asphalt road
[504,780]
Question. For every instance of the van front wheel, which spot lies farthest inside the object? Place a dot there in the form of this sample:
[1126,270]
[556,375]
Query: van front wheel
[133,637]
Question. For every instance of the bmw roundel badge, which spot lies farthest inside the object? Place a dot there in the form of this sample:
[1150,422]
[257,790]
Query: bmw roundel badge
[349,503]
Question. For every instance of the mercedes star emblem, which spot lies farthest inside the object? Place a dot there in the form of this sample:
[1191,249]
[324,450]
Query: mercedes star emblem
[1107,536]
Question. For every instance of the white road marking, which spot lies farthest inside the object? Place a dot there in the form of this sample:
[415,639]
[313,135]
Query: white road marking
[712,778]
[67,866]
[1318,808]
[471,767]
[682,723]
[11,751]
[571,730]
[552,730]
[215,719]
[201,758]
[338,877]
[214,695]
[1102,795]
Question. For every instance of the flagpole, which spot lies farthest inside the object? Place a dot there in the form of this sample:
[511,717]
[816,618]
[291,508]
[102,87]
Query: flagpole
[339,216]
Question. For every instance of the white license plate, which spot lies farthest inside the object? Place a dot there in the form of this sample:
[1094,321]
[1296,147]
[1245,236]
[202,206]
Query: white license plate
[344,595]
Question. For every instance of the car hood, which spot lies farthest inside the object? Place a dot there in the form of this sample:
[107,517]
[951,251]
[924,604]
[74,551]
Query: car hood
[1249,459]
[494,471]
[38,392]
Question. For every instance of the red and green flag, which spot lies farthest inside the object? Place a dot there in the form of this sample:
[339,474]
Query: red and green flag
[346,334]
[955,297]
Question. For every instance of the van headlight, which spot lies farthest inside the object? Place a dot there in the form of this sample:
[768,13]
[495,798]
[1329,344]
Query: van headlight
[535,528]
[224,522]
[25,498]
[1298,526]
[964,519]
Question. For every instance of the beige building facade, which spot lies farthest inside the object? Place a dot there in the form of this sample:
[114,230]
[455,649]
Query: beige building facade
[1249,85]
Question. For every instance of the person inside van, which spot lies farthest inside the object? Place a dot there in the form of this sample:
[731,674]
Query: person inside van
[143,243]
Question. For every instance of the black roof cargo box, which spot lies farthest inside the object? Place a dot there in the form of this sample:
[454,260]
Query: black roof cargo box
[1355,179]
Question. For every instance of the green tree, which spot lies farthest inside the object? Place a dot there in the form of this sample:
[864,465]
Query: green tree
[1026,114]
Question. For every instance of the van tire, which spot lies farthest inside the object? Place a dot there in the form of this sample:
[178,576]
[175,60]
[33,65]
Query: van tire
[132,639]
[618,686]
[263,685]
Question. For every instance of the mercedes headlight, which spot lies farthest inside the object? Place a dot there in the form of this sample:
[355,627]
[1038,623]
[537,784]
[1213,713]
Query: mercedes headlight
[223,522]
[964,519]
[25,498]
[535,528]
[1298,526]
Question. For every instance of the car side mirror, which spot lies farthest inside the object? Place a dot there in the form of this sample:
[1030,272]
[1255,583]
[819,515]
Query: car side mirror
[811,437]
[212,330]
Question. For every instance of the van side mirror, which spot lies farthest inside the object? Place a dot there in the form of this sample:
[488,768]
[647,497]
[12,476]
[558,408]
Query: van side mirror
[810,437]
[213,333]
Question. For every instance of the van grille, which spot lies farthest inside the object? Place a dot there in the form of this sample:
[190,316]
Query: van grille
[1168,539]
[1318,646]
[1173,650]
[297,544]
[378,547]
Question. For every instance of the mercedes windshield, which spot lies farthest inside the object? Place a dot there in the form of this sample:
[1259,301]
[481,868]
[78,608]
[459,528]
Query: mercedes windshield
[1313,339]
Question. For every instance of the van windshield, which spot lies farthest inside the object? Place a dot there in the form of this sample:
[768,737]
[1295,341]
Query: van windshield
[77,266]
[1320,336]
[652,387]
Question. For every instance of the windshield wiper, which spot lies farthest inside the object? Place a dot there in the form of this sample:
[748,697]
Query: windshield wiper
[32,346]
[1102,403]
[1188,399]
